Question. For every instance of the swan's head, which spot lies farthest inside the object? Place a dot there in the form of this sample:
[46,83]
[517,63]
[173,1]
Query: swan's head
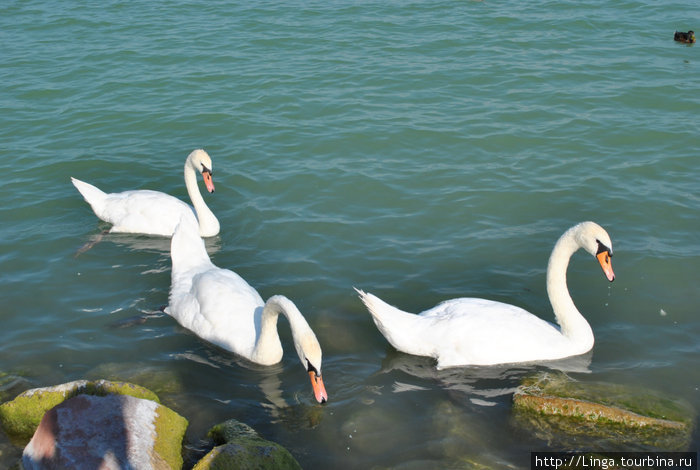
[201,162]
[594,239]
[305,342]
[309,352]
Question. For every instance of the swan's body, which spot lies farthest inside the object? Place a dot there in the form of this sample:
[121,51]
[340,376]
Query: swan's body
[154,212]
[471,331]
[221,307]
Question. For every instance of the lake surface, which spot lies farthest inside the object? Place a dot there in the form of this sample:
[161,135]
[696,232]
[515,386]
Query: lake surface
[418,150]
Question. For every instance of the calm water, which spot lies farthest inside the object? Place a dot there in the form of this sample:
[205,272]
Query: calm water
[421,151]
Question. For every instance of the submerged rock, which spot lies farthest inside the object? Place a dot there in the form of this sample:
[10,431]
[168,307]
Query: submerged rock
[238,446]
[107,432]
[565,411]
[161,381]
[10,383]
[464,438]
[21,416]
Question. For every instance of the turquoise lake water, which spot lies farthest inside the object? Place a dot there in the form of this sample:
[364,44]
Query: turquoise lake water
[418,150]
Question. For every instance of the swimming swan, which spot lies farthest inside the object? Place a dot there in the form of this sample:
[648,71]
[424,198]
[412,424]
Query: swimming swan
[222,308]
[471,331]
[154,212]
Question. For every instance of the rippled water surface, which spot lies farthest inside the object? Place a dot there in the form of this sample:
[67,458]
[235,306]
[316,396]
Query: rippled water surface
[421,151]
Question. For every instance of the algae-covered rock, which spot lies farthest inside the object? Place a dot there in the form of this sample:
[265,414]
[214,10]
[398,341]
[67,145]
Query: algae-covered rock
[240,447]
[112,431]
[562,410]
[21,416]
[231,430]
[170,429]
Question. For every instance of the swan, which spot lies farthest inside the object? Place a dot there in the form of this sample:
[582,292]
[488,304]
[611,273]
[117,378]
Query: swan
[221,307]
[154,212]
[472,331]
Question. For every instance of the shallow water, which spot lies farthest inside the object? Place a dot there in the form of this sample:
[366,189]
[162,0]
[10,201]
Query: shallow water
[420,151]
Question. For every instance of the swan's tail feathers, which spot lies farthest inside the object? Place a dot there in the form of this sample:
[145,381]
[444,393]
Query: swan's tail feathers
[401,329]
[92,194]
[371,301]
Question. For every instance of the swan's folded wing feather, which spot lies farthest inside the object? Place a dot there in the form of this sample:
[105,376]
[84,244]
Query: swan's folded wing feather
[145,211]
[478,331]
[228,303]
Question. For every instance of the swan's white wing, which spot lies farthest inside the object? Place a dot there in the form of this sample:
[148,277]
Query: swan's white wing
[484,332]
[144,211]
[229,310]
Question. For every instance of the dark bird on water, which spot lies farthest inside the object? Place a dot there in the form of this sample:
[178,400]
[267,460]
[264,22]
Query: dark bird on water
[688,37]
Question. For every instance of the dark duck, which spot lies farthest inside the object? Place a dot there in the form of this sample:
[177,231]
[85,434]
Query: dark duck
[688,37]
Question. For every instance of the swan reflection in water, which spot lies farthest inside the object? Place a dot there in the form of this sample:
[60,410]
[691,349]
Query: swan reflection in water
[295,409]
[141,243]
[482,385]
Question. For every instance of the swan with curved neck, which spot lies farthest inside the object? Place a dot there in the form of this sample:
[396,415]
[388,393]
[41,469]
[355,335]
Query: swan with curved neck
[221,307]
[154,212]
[471,331]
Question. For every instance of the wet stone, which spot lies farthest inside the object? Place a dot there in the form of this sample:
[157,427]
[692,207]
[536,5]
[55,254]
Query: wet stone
[20,417]
[107,432]
[563,411]
[240,447]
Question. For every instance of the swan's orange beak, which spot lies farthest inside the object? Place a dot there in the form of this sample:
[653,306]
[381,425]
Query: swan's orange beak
[605,263]
[319,388]
[208,181]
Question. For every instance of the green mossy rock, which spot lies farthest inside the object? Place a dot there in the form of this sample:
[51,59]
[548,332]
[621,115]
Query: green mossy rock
[559,409]
[170,429]
[230,431]
[21,416]
[240,447]
[82,431]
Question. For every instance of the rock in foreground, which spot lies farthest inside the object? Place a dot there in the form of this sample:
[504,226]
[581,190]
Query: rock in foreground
[107,432]
[21,416]
[240,447]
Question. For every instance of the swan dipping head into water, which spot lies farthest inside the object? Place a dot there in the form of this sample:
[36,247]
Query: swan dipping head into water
[219,306]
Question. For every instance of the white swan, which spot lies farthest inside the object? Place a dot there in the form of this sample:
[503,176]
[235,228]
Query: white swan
[471,331]
[222,308]
[154,212]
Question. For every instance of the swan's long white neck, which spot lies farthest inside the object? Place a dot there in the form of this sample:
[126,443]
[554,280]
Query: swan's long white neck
[188,254]
[268,348]
[573,325]
[208,223]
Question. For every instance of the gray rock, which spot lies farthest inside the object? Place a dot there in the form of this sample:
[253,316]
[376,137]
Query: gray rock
[21,416]
[106,432]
